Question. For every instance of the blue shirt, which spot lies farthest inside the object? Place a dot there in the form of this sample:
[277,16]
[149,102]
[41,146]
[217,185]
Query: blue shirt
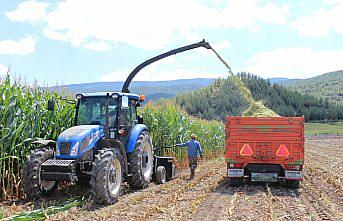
[193,148]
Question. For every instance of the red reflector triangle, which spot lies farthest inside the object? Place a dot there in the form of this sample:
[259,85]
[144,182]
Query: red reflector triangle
[282,151]
[246,150]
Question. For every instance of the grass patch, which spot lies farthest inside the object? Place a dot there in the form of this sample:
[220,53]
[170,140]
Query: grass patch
[324,128]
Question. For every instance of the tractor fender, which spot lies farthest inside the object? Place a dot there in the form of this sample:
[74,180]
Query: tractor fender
[133,136]
[50,143]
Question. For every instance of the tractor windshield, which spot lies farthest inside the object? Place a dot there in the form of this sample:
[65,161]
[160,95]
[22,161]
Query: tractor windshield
[92,110]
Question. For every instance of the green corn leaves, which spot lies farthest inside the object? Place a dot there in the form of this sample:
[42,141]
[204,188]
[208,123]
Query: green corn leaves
[24,118]
[168,125]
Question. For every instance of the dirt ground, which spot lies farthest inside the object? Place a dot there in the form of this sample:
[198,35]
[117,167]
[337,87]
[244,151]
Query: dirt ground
[209,197]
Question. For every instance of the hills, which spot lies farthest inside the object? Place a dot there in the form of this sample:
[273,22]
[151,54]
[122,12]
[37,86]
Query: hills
[151,90]
[223,97]
[329,85]
[278,80]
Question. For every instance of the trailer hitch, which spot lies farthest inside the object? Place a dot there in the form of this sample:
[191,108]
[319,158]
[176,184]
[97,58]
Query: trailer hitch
[126,85]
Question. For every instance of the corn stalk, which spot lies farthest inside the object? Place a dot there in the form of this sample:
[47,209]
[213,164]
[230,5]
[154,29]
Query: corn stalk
[23,119]
[168,125]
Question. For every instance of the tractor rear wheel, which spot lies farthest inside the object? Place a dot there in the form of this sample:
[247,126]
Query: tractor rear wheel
[107,176]
[33,186]
[141,162]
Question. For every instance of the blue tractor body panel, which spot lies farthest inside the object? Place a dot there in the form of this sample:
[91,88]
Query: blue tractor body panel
[75,141]
[133,136]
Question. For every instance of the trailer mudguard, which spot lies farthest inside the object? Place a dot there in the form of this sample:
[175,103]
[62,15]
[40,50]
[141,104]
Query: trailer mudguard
[133,136]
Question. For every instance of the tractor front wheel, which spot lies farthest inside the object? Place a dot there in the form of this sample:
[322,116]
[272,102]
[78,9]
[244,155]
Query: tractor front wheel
[33,186]
[141,162]
[107,176]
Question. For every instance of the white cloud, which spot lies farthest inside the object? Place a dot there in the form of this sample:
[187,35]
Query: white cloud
[296,62]
[21,47]
[321,22]
[97,46]
[30,11]
[245,13]
[118,75]
[55,35]
[3,70]
[221,46]
[146,24]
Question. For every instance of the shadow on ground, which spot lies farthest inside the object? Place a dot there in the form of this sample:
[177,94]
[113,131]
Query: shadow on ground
[251,188]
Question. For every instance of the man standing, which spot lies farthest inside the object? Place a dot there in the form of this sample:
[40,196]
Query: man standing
[194,148]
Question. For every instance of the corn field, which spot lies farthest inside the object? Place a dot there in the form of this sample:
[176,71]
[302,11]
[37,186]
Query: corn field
[169,125]
[23,119]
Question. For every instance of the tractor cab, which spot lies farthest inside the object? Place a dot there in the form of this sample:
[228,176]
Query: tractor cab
[101,115]
[115,112]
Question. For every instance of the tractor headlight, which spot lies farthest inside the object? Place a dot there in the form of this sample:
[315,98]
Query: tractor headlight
[74,149]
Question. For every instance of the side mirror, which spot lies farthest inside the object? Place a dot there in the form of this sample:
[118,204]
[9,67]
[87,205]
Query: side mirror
[140,119]
[51,105]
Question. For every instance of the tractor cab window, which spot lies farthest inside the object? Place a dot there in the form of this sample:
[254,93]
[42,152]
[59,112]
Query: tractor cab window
[92,110]
[128,115]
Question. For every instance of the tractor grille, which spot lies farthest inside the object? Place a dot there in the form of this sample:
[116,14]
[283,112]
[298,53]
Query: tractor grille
[53,162]
[65,148]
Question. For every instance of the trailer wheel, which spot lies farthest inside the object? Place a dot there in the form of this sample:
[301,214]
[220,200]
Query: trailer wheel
[33,186]
[107,176]
[161,175]
[235,181]
[141,162]
[293,184]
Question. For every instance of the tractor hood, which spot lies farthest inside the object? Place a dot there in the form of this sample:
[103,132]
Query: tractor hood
[75,141]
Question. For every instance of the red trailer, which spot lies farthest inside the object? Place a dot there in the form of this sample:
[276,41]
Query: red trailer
[267,149]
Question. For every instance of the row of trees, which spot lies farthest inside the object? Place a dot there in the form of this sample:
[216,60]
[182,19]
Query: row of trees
[224,98]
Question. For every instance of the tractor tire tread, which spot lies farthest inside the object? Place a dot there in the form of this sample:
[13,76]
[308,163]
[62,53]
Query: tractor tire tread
[137,180]
[30,183]
[99,185]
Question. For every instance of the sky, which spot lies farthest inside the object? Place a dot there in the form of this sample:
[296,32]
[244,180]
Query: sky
[79,41]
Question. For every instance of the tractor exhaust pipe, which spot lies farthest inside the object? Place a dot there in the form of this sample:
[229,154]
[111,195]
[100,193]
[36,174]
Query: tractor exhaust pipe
[127,83]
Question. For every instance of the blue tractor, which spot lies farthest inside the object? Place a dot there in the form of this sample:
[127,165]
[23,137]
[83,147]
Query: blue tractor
[107,144]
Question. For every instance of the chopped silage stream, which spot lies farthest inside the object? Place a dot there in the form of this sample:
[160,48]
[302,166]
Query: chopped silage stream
[256,108]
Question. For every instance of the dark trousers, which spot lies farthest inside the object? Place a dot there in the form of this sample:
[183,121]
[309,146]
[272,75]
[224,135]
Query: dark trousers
[193,163]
